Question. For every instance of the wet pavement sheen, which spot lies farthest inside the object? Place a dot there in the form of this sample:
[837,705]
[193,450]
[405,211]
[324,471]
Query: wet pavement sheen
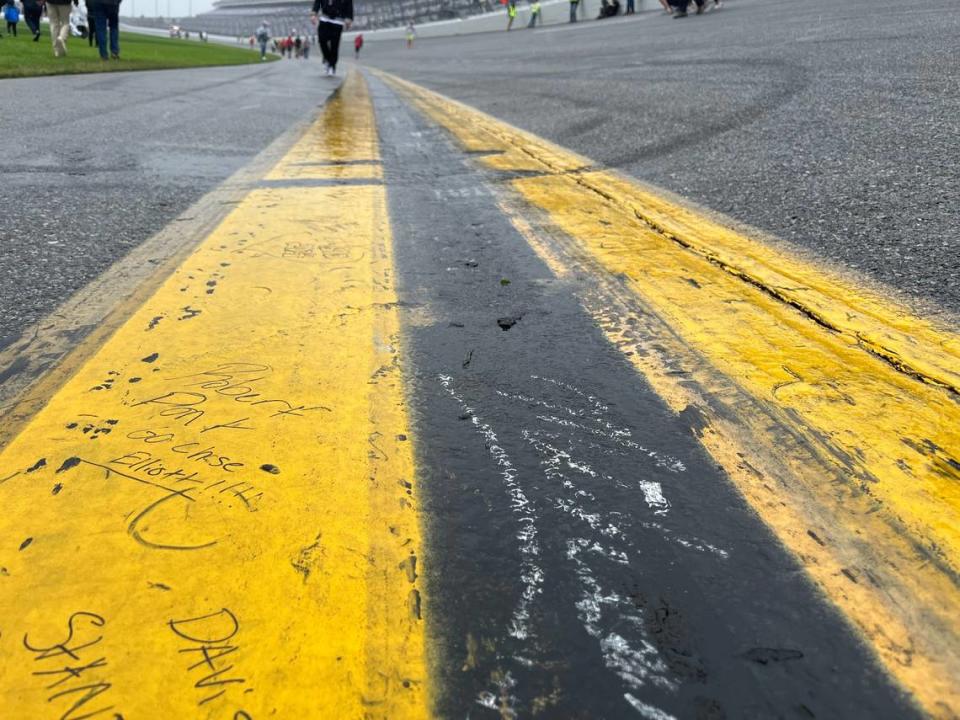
[586,559]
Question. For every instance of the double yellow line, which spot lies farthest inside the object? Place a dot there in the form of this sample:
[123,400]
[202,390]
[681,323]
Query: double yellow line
[217,516]
[836,412]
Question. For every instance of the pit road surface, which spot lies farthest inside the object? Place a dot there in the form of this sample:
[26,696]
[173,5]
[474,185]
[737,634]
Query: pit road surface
[407,284]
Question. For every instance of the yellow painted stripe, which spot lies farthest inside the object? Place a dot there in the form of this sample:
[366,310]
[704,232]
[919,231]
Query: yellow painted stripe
[834,410]
[321,157]
[216,516]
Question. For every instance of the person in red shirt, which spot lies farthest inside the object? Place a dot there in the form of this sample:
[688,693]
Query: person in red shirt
[357,44]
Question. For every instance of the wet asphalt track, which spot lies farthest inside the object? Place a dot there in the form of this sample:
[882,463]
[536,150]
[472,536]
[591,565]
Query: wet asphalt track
[583,549]
[539,477]
[93,165]
[832,125]
[836,129]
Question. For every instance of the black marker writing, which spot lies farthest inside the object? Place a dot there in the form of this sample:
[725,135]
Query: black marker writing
[75,668]
[209,637]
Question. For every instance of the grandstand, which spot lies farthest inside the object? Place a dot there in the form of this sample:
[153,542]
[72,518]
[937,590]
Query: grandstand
[239,18]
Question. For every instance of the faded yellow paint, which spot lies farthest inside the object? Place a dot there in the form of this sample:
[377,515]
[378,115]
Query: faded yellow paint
[321,157]
[216,517]
[835,411]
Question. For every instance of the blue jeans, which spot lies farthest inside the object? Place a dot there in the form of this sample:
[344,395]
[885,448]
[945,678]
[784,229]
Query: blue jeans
[573,10]
[107,17]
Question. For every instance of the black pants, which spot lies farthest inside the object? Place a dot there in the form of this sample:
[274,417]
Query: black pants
[681,5]
[328,37]
[11,28]
[32,16]
[91,27]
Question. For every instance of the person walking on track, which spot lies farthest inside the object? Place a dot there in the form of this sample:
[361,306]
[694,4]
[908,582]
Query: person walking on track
[357,45]
[534,13]
[106,19]
[573,10]
[11,13]
[58,11]
[331,17]
[263,37]
[511,14]
[32,12]
[91,30]
[680,7]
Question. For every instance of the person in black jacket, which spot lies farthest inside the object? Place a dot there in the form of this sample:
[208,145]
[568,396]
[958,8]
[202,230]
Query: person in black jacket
[331,17]
[32,12]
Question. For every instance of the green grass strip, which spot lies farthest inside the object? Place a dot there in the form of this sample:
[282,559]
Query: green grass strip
[22,57]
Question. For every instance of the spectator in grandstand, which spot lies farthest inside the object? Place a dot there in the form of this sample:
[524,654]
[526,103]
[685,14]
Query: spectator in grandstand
[411,34]
[357,45]
[331,17]
[58,11]
[263,37]
[11,13]
[32,12]
[534,13]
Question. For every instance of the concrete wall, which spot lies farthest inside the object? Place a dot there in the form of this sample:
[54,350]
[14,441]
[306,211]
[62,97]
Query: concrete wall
[553,12]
